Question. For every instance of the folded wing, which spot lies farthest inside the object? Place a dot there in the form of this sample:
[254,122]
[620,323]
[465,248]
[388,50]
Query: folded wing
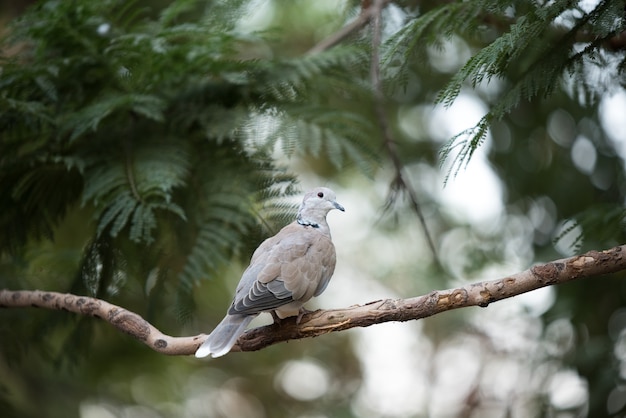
[294,265]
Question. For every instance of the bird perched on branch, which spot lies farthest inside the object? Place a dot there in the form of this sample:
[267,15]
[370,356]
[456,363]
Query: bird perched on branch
[285,272]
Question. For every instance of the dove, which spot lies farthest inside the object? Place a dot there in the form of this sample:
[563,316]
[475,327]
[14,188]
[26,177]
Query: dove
[285,271]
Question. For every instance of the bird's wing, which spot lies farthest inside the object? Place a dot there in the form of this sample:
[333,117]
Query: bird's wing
[294,265]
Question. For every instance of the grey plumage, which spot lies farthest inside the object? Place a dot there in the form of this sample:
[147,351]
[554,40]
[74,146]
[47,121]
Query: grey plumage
[285,271]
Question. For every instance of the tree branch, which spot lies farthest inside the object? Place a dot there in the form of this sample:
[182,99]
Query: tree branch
[590,264]
[122,319]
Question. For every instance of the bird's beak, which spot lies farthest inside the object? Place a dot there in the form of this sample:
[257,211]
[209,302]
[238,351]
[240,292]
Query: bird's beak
[338,206]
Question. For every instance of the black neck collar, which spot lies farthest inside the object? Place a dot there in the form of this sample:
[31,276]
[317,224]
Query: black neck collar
[307,223]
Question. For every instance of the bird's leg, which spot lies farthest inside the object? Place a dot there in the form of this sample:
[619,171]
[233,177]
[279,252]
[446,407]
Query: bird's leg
[301,312]
[275,317]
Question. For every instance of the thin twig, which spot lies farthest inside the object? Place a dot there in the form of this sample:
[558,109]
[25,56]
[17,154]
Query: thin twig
[360,22]
[400,182]
[342,33]
[371,11]
[590,264]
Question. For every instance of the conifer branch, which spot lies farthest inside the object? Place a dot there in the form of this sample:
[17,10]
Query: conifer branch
[313,324]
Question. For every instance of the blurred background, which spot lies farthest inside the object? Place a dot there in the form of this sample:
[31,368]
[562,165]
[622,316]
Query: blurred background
[148,147]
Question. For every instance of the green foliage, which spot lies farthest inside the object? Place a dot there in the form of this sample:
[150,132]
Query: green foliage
[337,134]
[137,160]
[146,122]
[533,55]
[597,224]
[135,181]
[318,126]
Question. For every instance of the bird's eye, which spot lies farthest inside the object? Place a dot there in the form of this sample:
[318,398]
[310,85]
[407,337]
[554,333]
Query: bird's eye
[320,194]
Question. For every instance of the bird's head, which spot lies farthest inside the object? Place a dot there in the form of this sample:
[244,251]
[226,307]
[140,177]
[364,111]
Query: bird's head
[316,205]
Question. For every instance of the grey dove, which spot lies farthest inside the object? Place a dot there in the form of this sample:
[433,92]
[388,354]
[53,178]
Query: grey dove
[285,271]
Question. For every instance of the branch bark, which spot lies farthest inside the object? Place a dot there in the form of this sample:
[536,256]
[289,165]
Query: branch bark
[590,264]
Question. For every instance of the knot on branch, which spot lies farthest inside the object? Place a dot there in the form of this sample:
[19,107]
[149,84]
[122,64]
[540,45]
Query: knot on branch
[547,273]
[130,323]
[160,344]
[614,254]
[452,300]
[87,306]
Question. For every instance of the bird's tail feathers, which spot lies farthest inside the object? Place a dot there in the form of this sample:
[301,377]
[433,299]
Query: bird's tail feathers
[224,336]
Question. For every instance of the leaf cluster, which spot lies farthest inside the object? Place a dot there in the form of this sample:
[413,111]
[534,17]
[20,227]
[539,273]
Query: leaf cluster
[532,47]
[147,119]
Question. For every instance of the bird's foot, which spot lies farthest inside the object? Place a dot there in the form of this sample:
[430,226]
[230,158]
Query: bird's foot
[303,311]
